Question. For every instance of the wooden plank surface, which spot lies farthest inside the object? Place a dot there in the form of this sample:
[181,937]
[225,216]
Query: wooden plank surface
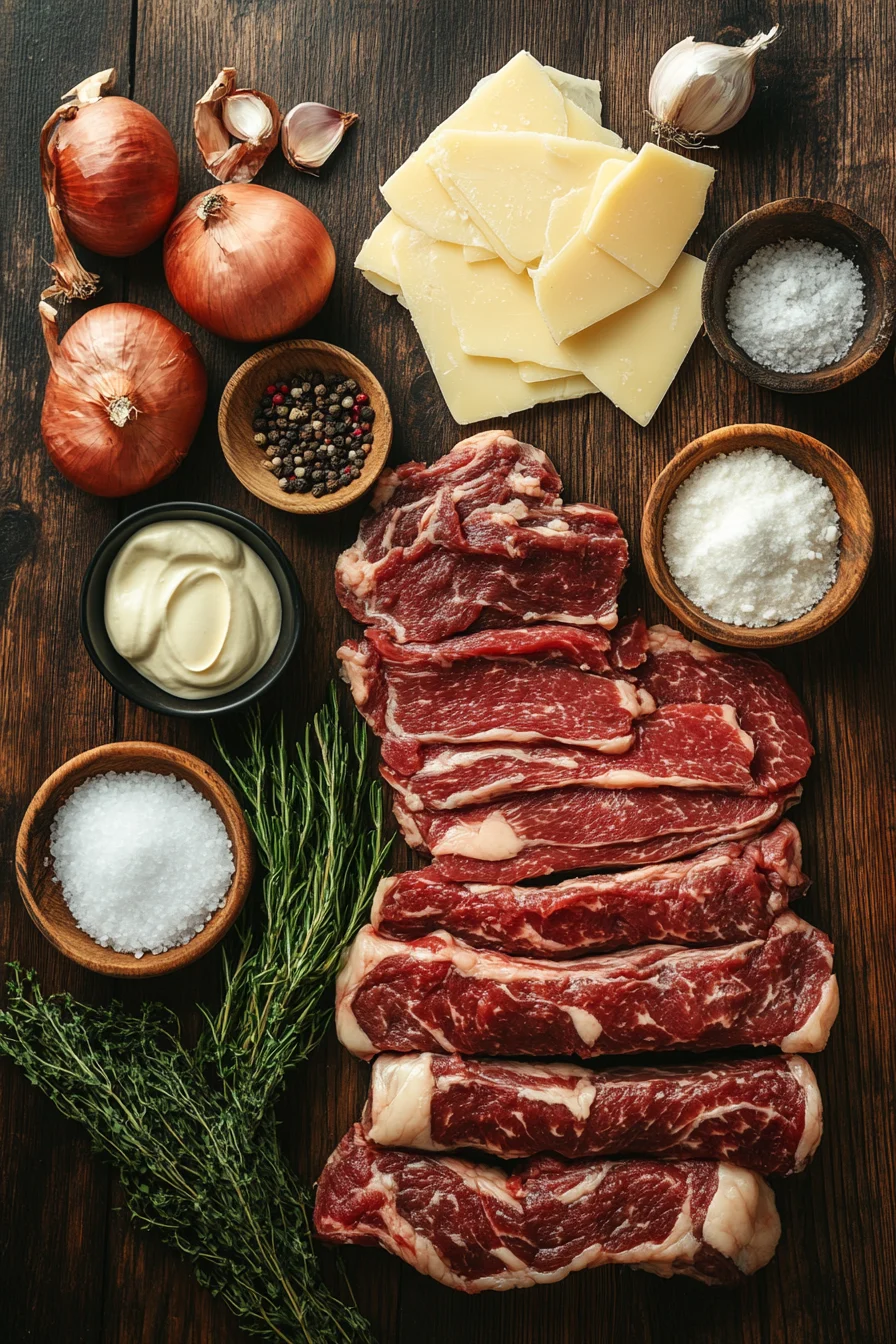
[71,1268]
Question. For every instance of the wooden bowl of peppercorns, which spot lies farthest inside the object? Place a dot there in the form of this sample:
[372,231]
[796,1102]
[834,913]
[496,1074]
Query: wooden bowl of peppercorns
[305,426]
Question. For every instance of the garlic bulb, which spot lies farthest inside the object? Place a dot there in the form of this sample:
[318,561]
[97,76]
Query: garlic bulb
[703,88]
[235,129]
[311,131]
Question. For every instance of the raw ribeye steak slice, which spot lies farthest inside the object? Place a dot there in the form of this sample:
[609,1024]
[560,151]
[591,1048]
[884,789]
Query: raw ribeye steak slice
[678,747]
[725,895]
[487,468]
[475,1227]
[418,693]
[439,994]
[681,671]
[764,1114]
[569,830]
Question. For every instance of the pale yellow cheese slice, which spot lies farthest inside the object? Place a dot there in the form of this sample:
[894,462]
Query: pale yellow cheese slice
[645,218]
[473,255]
[581,284]
[540,373]
[585,93]
[579,126]
[495,313]
[519,96]
[508,181]
[474,389]
[633,356]
[375,261]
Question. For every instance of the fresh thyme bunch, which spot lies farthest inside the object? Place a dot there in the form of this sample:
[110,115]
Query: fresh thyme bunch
[192,1132]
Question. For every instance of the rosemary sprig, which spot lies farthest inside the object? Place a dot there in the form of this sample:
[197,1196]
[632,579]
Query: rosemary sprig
[192,1132]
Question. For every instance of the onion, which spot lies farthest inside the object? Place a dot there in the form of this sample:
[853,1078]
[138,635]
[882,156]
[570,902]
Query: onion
[110,176]
[248,263]
[123,400]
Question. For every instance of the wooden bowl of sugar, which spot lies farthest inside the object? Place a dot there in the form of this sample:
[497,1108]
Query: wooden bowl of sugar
[802,217]
[42,894]
[850,500]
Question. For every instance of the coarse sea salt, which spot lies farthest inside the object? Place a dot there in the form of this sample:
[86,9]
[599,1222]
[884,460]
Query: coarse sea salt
[143,860]
[752,539]
[796,306]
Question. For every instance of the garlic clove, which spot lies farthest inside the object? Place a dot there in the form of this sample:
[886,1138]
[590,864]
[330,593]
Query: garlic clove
[704,88]
[311,132]
[235,129]
[247,117]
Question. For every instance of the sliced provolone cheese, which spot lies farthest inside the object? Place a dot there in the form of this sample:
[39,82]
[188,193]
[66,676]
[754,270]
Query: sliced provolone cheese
[585,93]
[496,315]
[581,284]
[375,258]
[646,216]
[633,356]
[508,181]
[539,373]
[474,389]
[579,126]
[473,255]
[520,96]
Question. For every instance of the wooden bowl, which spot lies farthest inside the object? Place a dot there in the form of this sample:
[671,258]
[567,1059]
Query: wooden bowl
[856,523]
[824,222]
[43,896]
[243,393]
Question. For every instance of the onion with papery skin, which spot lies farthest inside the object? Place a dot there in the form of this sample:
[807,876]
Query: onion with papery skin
[110,176]
[248,263]
[124,398]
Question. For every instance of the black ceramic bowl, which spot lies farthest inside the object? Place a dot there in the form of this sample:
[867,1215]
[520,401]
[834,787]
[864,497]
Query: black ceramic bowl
[127,679]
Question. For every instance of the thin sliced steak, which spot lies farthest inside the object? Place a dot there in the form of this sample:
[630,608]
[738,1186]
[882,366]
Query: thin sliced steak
[487,468]
[480,536]
[442,695]
[439,994]
[576,829]
[681,671]
[724,895]
[475,1227]
[764,1114]
[678,747]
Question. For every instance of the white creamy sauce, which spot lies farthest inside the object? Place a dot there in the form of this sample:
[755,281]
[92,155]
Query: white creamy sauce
[193,608]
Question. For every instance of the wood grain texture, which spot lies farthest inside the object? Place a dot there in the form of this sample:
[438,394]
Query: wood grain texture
[850,501]
[42,895]
[821,125]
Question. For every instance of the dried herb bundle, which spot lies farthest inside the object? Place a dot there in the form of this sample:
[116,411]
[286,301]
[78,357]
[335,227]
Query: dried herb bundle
[192,1132]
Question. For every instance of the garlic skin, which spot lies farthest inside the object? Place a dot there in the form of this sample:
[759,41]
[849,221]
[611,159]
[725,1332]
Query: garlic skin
[704,88]
[235,129]
[311,132]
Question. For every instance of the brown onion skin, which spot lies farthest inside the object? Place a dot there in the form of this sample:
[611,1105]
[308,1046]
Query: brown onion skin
[260,268]
[119,350]
[116,176]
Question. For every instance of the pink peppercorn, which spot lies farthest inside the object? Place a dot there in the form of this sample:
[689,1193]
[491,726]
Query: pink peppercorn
[277,398]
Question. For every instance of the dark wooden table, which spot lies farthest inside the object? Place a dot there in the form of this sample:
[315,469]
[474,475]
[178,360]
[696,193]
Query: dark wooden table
[72,1270]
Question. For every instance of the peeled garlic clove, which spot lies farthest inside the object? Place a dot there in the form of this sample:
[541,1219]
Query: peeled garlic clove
[247,117]
[311,131]
[704,88]
[251,118]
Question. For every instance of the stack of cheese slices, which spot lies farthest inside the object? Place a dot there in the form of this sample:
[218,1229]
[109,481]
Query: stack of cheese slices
[539,259]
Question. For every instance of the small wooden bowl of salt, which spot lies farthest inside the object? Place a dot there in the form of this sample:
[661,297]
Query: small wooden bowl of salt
[213,835]
[793,308]
[856,540]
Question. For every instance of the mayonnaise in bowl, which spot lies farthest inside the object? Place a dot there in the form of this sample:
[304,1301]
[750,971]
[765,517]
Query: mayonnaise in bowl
[192,608]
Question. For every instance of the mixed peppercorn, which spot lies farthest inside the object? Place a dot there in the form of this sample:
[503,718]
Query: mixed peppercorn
[315,430]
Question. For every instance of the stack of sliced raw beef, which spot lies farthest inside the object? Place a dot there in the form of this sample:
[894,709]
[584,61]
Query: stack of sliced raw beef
[526,733]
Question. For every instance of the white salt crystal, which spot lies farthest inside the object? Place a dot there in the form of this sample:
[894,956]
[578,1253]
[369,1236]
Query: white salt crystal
[144,860]
[796,306]
[752,539]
